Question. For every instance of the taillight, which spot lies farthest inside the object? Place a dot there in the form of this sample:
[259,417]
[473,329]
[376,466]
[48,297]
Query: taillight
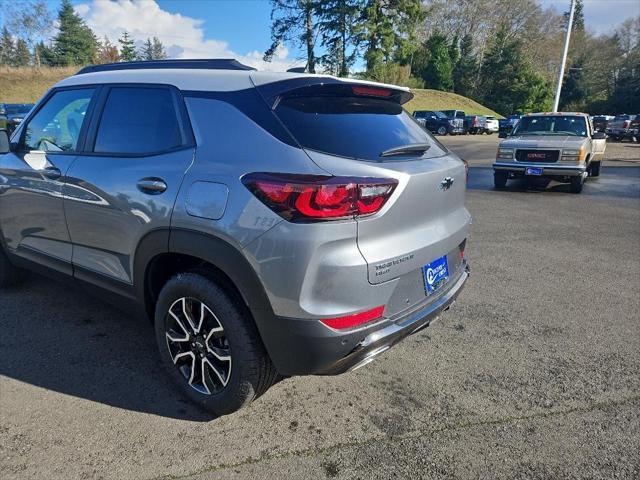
[626,124]
[351,321]
[312,198]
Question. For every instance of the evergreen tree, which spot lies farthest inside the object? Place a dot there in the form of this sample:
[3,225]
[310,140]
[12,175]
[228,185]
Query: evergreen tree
[127,48]
[466,69]
[146,51]
[389,33]
[158,51]
[21,54]
[45,54]
[75,43]
[341,32]
[438,73]
[509,83]
[7,47]
[294,21]
[578,18]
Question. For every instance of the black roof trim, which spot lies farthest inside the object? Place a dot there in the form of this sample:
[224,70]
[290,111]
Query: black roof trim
[206,64]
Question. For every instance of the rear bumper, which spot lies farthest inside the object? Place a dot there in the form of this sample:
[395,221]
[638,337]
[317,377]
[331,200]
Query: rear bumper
[307,347]
[548,170]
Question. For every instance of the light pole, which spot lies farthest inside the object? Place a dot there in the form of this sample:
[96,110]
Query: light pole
[564,56]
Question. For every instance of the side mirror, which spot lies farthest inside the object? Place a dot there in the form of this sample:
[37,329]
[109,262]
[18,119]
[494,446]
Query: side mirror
[5,146]
[599,136]
[503,134]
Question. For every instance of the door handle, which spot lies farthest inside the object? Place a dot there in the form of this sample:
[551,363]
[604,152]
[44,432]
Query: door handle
[52,173]
[152,186]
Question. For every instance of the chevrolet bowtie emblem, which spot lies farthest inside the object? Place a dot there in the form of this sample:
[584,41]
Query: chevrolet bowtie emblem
[446,183]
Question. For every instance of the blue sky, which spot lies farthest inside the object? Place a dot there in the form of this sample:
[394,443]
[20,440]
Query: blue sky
[241,28]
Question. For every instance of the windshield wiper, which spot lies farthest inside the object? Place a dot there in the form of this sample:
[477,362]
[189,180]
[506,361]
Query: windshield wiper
[411,149]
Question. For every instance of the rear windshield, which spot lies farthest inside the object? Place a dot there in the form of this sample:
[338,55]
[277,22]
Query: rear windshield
[552,125]
[353,127]
[622,117]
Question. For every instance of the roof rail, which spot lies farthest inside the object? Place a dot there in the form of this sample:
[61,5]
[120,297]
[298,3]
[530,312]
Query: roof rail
[206,64]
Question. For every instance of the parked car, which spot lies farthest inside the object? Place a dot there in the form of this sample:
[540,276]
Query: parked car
[475,124]
[434,121]
[490,124]
[268,224]
[601,122]
[505,125]
[619,127]
[458,122]
[634,129]
[562,146]
[13,114]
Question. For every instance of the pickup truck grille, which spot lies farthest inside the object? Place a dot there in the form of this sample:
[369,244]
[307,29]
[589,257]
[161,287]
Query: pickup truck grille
[543,156]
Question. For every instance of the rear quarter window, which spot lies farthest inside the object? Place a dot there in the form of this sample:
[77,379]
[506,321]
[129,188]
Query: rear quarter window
[354,127]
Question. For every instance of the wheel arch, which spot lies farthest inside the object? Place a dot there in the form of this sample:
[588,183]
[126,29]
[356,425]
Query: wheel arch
[163,253]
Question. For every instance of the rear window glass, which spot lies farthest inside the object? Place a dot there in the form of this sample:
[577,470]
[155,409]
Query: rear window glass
[622,117]
[354,127]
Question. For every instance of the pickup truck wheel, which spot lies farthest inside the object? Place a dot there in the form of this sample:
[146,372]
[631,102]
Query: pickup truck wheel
[489,132]
[576,184]
[9,274]
[594,169]
[442,131]
[500,180]
[210,345]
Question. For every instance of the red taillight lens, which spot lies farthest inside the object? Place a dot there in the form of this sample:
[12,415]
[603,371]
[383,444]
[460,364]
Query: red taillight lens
[626,124]
[351,321]
[308,198]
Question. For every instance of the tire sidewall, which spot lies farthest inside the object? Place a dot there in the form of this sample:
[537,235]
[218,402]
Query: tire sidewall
[239,390]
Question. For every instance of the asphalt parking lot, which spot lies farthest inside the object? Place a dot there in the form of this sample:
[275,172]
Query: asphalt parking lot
[535,373]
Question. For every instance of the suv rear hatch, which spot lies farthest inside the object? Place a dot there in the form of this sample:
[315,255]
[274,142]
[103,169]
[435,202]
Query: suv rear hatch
[345,127]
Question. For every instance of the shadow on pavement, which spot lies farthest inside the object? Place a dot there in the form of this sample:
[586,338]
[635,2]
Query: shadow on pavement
[62,339]
[616,182]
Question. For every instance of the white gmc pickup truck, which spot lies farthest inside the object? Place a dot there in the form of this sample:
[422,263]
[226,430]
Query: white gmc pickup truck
[563,146]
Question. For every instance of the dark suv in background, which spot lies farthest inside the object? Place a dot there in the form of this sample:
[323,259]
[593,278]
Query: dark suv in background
[434,121]
[11,114]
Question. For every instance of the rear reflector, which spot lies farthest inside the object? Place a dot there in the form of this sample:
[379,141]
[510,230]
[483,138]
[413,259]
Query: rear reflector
[312,198]
[350,321]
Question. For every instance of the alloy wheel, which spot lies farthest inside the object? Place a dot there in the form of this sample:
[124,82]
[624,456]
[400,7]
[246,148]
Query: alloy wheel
[198,346]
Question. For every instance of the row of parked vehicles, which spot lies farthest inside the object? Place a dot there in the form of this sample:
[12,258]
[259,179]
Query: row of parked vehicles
[619,127]
[456,122]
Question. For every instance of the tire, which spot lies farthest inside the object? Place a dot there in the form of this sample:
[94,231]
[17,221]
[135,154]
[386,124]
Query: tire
[225,343]
[594,169]
[500,180]
[442,131]
[489,132]
[9,274]
[576,184]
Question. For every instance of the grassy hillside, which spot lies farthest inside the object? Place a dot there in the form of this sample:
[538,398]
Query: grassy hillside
[437,100]
[26,85]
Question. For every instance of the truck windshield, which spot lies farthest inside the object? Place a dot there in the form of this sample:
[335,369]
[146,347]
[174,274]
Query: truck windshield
[552,125]
[449,113]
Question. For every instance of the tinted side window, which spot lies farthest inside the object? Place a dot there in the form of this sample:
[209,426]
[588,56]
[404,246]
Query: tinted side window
[138,121]
[56,126]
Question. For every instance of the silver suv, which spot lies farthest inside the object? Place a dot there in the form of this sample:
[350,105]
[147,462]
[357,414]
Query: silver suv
[269,224]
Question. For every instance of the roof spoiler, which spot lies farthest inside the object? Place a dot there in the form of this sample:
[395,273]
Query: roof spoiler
[318,85]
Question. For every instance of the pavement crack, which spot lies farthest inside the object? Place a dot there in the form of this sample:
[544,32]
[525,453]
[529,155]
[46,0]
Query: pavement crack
[417,433]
